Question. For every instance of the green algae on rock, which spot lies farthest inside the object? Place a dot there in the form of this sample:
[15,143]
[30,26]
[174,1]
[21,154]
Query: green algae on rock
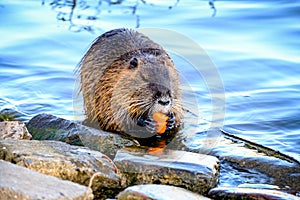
[8,116]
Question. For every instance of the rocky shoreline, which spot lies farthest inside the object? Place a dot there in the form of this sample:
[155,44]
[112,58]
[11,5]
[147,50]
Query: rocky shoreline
[67,160]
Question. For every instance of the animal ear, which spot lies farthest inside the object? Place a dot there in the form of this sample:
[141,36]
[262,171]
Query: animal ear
[133,63]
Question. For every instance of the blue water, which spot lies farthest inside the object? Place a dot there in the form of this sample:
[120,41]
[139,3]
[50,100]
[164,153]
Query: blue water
[255,46]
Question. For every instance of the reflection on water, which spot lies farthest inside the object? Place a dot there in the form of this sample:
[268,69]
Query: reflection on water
[90,15]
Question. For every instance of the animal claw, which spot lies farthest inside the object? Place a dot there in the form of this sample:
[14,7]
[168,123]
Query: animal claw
[171,122]
[151,125]
[148,123]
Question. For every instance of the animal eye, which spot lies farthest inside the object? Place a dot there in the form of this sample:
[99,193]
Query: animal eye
[133,63]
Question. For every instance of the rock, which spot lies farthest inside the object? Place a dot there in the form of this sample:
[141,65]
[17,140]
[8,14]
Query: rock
[249,193]
[49,127]
[73,163]
[245,162]
[20,183]
[158,192]
[195,172]
[259,186]
[283,172]
[14,129]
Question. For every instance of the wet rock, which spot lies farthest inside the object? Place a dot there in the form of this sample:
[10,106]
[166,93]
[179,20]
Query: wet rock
[233,175]
[249,193]
[250,163]
[20,183]
[195,172]
[14,130]
[259,186]
[282,172]
[73,163]
[158,192]
[49,127]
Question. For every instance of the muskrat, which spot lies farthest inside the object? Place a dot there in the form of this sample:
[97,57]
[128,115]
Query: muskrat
[125,79]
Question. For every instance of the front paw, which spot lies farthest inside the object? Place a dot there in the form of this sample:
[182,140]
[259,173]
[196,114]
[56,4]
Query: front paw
[171,122]
[158,124]
[148,123]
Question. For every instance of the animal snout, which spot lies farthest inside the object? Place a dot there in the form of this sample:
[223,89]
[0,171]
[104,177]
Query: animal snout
[163,97]
[164,102]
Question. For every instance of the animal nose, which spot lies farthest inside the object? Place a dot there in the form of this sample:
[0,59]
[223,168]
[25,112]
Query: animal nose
[164,103]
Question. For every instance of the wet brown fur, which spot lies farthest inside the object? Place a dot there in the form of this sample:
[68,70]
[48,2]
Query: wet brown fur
[114,95]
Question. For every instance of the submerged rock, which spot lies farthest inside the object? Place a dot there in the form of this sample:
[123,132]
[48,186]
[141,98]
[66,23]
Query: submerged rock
[49,127]
[20,183]
[73,163]
[14,130]
[158,192]
[250,163]
[195,172]
[249,193]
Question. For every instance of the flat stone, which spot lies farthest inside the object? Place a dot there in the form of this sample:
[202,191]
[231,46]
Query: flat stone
[195,172]
[14,130]
[23,184]
[73,163]
[247,162]
[249,193]
[158,192]
[259,186]
[49,127]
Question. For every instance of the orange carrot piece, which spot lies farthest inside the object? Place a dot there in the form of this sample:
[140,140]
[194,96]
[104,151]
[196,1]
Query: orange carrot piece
[161,120]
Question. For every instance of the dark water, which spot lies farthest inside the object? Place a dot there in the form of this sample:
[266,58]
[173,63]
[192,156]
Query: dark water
[255,46]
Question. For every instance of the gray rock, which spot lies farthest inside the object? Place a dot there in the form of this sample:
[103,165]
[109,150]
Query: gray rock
[259,186]
[23,184]
[250,162]
[14,130]
[195,172]
[73,163]
[49,127]
[158,192]
[249,194]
